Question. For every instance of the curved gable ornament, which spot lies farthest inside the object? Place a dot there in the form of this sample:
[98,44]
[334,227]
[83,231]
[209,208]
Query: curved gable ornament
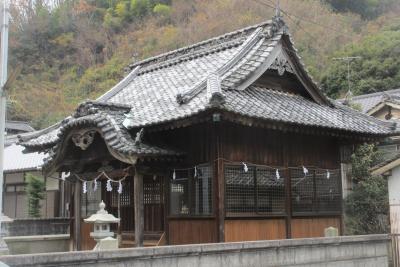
[281,64]
[83,138]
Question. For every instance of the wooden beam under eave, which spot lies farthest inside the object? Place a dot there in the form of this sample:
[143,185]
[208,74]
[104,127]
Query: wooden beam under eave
[386,168]
[139,208]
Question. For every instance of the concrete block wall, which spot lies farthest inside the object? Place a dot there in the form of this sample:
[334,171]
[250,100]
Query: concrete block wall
[365,251]
[39,226]
[37,244]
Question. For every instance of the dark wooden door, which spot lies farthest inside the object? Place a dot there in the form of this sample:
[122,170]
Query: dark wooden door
[153,196]
[125,204]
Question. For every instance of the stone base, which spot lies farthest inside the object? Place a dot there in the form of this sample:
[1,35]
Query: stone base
[3,247]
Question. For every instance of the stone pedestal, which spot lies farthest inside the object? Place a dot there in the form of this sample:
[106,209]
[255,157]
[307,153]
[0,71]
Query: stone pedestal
[4,232]
[3,247]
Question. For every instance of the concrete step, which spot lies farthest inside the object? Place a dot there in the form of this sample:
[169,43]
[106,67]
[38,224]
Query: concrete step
[150,239]
[147,235]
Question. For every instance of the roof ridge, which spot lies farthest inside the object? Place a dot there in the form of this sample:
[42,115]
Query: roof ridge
[22,122]
[375,94]
[253,38]
[199,44]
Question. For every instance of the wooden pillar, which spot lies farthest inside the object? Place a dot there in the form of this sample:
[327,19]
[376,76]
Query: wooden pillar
[77,215]
[219,184]
[288,189]
[166,205]
[288,196]
[346,183]
[139,208]
[221,200]
[61,185]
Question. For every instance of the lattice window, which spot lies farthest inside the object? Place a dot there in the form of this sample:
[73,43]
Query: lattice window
[239,190]
[124,197]
[270,192]
[316,192]
[255,192]
[190,195]
[152,191]
[303,191]
[328,191]
[179,194]
[202,202]
[90,201]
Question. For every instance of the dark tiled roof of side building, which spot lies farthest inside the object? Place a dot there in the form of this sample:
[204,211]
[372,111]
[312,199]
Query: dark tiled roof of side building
[368,101]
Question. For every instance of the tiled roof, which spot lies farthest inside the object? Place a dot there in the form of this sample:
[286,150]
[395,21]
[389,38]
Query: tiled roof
[274,105]
[156,83]
[217,73]
[16,161]
[21,126]
[107,118]
[386,162]
[368,101]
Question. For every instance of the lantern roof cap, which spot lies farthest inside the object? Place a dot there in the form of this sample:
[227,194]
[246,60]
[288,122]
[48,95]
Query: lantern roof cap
[102,216]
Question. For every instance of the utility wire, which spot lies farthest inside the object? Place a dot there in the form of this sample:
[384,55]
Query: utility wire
[302,19]
[315,23]
[289,16]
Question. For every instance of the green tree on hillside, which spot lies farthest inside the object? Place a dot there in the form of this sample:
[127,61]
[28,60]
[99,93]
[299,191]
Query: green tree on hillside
[75,50]
[377,70]
[366,8]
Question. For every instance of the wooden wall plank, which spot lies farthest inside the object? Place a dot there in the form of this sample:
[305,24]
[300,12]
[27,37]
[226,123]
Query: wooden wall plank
[87,242]
[313,227]
[251,230]
[276,148]
[205,142]
[192,231]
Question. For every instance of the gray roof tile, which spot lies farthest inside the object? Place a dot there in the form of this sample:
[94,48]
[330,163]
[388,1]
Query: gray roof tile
[173,86]
[274,105]
[368,101]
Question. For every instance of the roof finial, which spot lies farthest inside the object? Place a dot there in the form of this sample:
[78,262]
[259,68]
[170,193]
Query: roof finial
[278,9]
[278,14]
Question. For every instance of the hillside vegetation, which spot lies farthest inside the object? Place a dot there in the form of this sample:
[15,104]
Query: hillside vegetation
[72,50]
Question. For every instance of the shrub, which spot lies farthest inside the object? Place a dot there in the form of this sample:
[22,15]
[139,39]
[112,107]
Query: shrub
[35,190]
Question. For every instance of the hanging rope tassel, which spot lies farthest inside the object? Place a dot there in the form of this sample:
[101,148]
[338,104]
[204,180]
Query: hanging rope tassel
[328,174]
[119,187]
[108,185]
[84,187]
[174,175]
[195,172]
[95,185]
[65,175]
[245,168]
[305,171]
[277,174]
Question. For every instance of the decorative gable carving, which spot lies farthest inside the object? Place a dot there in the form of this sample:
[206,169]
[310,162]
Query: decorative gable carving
[84,138]
[281,64]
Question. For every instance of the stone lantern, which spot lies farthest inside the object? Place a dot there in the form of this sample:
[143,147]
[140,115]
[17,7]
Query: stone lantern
[102,220]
